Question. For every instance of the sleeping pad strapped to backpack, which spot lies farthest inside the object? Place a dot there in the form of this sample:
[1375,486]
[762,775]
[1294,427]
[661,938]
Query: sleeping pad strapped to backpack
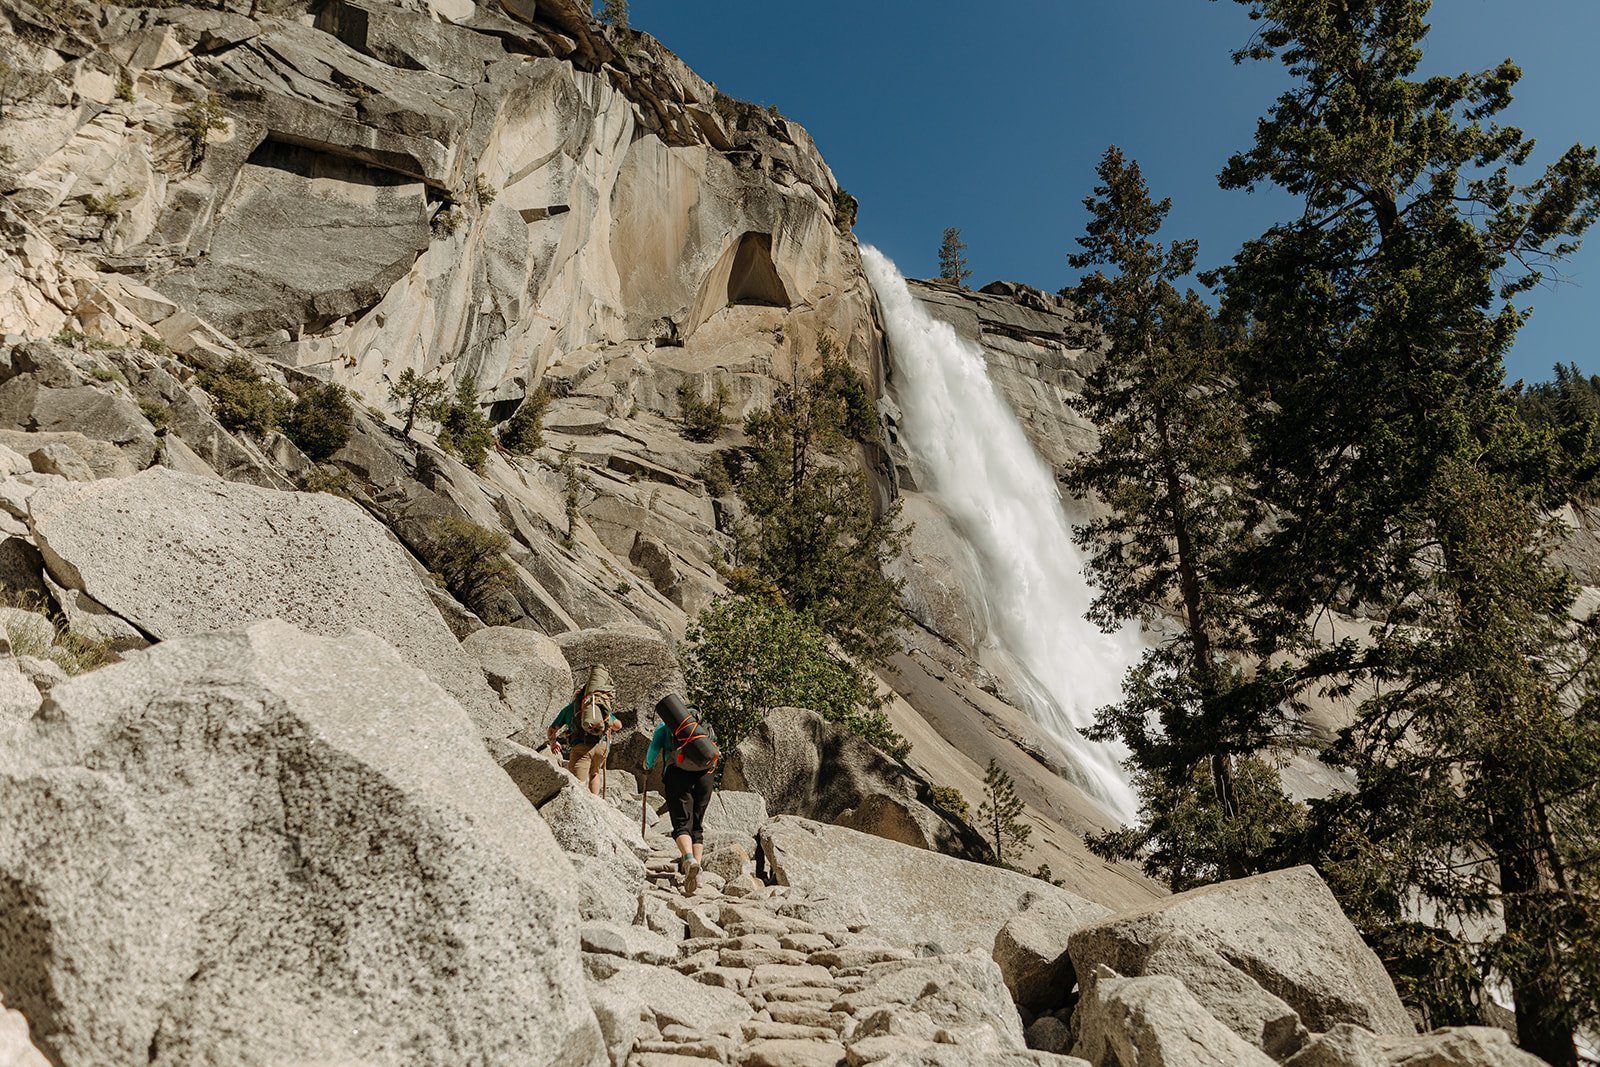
[696,750]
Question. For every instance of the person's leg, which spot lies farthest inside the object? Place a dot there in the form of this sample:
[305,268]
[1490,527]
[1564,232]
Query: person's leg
[702,801]
[679,788]
[578,761]
[597,766]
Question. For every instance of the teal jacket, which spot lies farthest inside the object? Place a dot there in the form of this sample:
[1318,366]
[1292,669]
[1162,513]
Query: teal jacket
[660,741]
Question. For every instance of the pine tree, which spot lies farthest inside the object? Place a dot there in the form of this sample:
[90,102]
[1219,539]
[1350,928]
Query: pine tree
[1402,484]
[414,395]
[812,528]
[1000,814]
[1167,463]
[614,13]
[952,264]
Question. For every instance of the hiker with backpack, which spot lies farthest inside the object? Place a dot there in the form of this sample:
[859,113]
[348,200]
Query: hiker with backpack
[687,779]
[588,723]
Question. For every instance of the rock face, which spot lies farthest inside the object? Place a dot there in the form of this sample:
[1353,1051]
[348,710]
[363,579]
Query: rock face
[288,848]
[174,555]
[527,670]
[1284,931]
[1156,1022]
[804,765]
[854,877]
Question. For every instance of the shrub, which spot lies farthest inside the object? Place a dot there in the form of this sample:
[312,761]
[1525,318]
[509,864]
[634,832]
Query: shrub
[244,401]
[845,208]
[159,414]
[714,472]
[614,13]
[106,374]
[326,478]
[447,220]
[950,799]
[748,655]
[125,88]
[464,430]
[319,422]
[199,119]
[484,189]
[523,433]
[154,345]
[468,560]
[703,420]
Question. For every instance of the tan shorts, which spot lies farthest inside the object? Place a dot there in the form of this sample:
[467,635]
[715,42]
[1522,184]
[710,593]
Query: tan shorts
[585,761]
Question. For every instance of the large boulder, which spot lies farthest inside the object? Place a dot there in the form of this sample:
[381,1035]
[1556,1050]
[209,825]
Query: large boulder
[266,847]
[1465,1046]
[528,671]
[961,991]
[804,765]
[1284,930]
[1153,1022]
[912,896]
[175,554]
[16,1050]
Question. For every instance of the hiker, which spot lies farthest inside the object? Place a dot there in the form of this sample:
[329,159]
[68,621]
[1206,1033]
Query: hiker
[588,723]
[688,791]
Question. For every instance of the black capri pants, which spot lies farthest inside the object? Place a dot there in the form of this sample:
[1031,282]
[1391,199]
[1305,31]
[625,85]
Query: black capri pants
[688,795]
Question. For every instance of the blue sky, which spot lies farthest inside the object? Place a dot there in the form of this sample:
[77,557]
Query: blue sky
[991,117]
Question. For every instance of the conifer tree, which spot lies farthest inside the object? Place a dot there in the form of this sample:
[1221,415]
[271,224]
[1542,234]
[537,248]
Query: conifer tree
[1403,485]
[414,395]
[1167,461]
[952,264]
[1000,814]
[813,530]
[614,13]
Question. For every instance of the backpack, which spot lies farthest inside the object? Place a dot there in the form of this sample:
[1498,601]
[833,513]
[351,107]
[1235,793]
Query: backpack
[594,702]
[696,745]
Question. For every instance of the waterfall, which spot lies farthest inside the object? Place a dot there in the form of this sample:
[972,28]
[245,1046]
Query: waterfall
[970,454]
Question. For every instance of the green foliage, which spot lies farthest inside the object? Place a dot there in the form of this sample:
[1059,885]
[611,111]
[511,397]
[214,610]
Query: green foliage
[469,560]
[952,264]
[573,484]
[447,220]
[242,400]
[714,472]
[414,395]
[76,339]
[1399,479]
[845,210]
[1168,463]
[1186,837]
[812,529]
[326,478]
[107,374]
[199,120]
[485,191]
[1569,409]
[125,87]
[159,414]
[1000,814]
[704,420]
[320,421]
[950,799]
[154,345]
[523,433]
[464,430]
[748,655]
[614,13]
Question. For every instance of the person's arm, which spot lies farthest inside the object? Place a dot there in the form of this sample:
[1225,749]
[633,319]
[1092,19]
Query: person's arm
[563,721]
[658,744]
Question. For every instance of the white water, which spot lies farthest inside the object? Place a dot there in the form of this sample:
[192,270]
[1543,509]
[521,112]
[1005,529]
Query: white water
[971,455]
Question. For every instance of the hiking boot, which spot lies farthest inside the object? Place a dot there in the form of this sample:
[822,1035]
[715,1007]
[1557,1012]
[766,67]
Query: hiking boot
[690,870]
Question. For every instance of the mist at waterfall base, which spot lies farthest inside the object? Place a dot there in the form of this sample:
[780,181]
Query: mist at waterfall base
[971,455]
